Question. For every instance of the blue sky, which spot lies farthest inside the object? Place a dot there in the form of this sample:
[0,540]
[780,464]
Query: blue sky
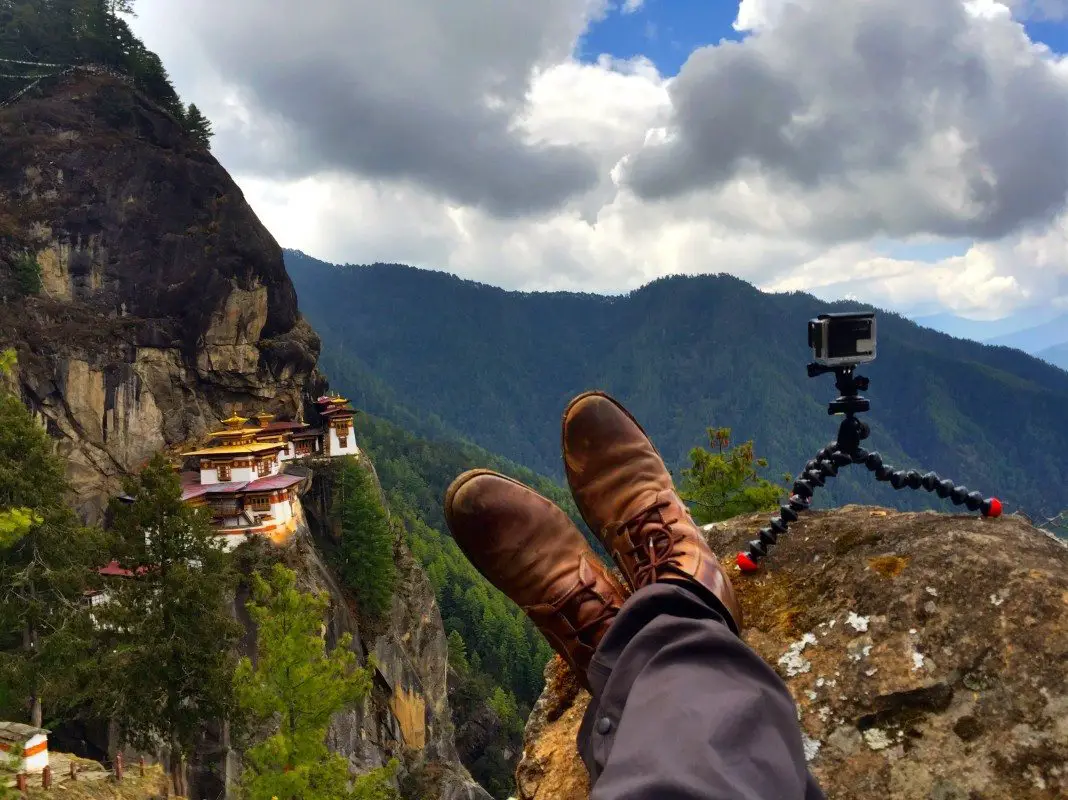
[664,31]
[667,31]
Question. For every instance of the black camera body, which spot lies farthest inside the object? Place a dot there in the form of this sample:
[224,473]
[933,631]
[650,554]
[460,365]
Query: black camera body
[845,339]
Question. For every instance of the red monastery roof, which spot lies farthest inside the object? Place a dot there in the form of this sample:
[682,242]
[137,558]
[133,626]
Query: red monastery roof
[278,427]
[273,482]
[191,491]
[268,484]
[344,410]
[114,570]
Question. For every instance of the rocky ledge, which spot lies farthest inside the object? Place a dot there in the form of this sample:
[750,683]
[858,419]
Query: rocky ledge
[926,653]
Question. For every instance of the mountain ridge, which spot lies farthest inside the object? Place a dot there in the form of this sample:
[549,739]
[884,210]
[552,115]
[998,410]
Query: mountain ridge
[684,353]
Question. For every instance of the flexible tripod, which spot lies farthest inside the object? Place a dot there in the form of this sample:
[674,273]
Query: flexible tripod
[846,450]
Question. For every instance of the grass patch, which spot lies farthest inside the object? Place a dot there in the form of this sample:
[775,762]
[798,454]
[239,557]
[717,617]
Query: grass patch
[776,603]
[132,787]
[888,566]
[27,273]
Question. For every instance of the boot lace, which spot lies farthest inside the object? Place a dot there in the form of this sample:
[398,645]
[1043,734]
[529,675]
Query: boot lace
[580,593]
[652,543]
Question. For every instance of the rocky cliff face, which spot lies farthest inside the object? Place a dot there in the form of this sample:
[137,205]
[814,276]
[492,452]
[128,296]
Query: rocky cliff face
[164,307]
[407,716]
[164,302]
[926,653]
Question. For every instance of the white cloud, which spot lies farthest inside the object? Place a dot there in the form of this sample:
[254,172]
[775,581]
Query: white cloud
[470,186]
[630,6]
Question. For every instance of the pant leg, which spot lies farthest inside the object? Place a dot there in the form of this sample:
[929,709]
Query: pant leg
[682,709]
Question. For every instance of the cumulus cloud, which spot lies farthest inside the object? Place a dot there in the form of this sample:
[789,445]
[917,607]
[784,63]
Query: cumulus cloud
[400,132]
[889,117]
[405,90]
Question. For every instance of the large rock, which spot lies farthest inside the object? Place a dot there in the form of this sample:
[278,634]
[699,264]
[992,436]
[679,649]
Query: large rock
[927,654]
[165,303]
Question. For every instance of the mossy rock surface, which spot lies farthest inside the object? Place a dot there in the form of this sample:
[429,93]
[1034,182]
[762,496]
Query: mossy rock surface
[933,663]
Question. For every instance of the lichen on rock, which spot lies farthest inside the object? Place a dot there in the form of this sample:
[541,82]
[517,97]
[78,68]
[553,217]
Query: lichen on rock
[934,646]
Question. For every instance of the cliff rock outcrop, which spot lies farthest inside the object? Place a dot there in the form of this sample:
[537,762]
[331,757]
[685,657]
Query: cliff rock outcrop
[164,303]
[926,653]
[407,715]
[163,307]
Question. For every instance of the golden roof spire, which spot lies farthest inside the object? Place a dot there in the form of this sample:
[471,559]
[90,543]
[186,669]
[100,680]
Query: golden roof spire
[234,422]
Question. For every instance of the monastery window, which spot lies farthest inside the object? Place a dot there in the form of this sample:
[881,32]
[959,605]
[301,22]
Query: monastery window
[263,467]
[303,447]
[259,502]
[224,472]
[342,429]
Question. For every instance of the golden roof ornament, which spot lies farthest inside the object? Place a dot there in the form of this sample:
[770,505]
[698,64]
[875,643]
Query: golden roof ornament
[234,422]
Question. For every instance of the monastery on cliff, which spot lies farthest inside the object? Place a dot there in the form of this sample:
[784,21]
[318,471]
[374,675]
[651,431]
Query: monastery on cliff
[240,476]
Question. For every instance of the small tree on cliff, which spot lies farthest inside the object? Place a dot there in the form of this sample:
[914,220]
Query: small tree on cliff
[365,554]
[46,565]
[169,661]
[197,126]
[724,482]
[297,686]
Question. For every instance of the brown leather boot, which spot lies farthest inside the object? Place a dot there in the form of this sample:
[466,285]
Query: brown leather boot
[527,547]
[626,496]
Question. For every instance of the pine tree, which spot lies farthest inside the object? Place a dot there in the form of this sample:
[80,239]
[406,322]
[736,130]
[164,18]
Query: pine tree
[457,652]
[47,561]
[725,483]
[15,521]
[198,126]
[169,660]
[365,554]
[295,688]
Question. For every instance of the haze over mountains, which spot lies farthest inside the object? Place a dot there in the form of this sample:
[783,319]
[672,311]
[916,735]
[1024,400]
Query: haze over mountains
[445,357]
[1042,333]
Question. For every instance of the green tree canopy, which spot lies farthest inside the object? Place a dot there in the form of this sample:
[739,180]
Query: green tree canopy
[169,657]
[47,560]
[365,554]
[40,38]
[723,482]
[197,126]
[295,687]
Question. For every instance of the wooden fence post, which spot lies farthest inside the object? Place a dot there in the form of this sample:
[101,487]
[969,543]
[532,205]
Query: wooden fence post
[73,772]
[46,777]
[141,766]
[20,782]
[118,766]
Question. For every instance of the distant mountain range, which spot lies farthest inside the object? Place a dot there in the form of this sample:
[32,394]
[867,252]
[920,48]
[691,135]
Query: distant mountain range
[1056,355]
[982,330]
[1053,333]
[1042,334]
[448,358]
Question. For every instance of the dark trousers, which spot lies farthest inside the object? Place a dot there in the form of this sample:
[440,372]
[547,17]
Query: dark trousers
[682,709]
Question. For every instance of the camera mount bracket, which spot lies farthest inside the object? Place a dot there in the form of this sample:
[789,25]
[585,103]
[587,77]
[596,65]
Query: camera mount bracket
[846,450]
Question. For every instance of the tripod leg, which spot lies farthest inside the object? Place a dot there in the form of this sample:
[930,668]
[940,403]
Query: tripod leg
[824,465]
[944,488]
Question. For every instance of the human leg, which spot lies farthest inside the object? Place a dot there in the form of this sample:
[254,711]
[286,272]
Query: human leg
[682,708]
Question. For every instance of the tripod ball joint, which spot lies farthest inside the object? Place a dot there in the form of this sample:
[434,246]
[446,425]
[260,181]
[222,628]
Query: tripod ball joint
[846,450]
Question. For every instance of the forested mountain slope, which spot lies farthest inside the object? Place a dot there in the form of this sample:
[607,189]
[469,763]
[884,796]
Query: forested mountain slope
[447,357]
